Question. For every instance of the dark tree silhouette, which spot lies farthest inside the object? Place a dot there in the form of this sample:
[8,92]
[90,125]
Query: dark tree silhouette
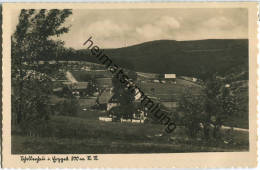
[32,40]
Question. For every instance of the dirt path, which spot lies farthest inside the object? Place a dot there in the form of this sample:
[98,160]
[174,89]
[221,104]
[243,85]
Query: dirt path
[228,127]
[234,128]
[70,77]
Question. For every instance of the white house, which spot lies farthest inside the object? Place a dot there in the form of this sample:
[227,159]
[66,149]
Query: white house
[169,76]
[227,85]
[111,105]
[194,79]
[163,82]
[106,119]
[138,95]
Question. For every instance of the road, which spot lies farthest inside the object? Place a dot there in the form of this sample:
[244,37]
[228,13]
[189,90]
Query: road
[228,127]
[234,128]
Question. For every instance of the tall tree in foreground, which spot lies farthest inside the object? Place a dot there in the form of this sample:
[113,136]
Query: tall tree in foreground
[124,96]
[192,108]
[31,42]
[210,109]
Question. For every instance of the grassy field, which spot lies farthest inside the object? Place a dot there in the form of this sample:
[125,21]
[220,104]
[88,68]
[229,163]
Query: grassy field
[237,122]
[170,88]
[85,134]
[88,75]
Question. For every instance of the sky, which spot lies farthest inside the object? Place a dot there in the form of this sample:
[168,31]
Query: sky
[124,27]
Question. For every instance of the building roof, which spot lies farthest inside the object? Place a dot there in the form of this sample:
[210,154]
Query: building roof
[170,76]
[103,82]
[79,86]
[105,97]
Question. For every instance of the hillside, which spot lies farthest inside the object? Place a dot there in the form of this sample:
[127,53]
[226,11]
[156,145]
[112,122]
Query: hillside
[198,58]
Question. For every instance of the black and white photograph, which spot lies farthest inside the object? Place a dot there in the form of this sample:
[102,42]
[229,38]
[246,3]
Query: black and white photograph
[120,81]
[129,85]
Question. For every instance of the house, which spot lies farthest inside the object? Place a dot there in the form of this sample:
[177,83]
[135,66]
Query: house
[170,76]
[141,115]
[85,68]
[87,102]
[52,62]
[163,81]
[111,105]
[79,88]
[227,85]
[58,89]
[41,62]
[106,119]
[107,98]
[104,82]
[138,94]
[194,79]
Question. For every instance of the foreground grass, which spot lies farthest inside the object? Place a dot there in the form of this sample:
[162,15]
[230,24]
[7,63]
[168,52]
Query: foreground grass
[238,122]
[79,135]
[32,145]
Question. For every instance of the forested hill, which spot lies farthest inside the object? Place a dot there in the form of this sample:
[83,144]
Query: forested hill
[189,58]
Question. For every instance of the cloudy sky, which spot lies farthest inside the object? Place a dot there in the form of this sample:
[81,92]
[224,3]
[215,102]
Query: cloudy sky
[123,27]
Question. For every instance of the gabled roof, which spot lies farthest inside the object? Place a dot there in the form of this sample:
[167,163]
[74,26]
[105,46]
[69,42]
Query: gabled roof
[113,99]
[79,86]
[105,97]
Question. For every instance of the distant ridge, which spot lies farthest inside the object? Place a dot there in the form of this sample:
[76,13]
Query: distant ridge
[196,58]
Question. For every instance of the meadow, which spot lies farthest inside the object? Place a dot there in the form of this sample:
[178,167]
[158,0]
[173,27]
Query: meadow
[86,134]
[170,88]
[88,75]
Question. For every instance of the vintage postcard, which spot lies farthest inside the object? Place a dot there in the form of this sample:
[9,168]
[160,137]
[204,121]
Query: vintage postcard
[129,85]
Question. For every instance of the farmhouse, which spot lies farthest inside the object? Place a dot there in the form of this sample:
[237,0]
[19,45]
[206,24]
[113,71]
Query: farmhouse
[79,88]
[227,85]
[58,89]
[86,68]
[87,102]
[194,79]
[107,98]
[104,97]
[106,119]
[103,82]
[170,76]
[98,73]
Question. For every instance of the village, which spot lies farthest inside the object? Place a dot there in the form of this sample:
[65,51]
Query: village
[92,85]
